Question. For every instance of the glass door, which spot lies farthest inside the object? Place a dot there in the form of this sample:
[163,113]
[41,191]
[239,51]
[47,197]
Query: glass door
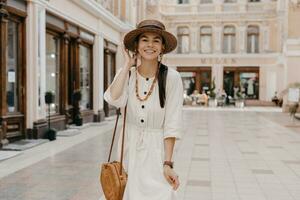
[12,69]
[14,89]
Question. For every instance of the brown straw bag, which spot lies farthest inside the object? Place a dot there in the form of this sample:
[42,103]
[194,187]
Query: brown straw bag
[113,177]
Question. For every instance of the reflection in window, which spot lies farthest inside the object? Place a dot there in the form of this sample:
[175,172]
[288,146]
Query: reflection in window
[188,79]
[12,68]
[85,66]
[52,69]
[252,39]
[249,85]
[183,40]
[206,39]
[229,39]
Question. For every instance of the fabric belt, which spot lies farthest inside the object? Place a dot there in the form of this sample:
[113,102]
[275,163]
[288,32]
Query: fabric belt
[140,145]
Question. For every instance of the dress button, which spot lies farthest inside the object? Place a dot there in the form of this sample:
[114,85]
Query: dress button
[147,79]
[145,93]
[142,120]
[143,106]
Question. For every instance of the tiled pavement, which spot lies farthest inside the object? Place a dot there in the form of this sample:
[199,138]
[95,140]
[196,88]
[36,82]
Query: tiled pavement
[224,155]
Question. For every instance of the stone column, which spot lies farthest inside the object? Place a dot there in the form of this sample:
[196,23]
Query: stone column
[242,5]
[217,72]
[242,36]
[99,75]
[194,37]
[218,38]
[36,61]
[96,74]
[218,5]
[266,37]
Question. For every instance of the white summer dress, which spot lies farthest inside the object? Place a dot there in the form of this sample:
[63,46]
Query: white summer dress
[147,125]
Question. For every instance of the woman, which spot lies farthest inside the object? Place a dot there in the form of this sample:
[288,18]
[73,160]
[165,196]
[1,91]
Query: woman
[154,96]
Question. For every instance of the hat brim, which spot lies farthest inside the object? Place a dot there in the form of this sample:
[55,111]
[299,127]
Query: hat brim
[170,41]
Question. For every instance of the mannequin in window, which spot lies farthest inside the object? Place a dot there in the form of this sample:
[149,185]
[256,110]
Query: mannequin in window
[250,87]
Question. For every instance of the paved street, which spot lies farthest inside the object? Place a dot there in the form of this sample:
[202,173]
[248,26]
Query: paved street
[224,155]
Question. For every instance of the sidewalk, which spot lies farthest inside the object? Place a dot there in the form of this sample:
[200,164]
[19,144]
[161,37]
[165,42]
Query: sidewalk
[223,155]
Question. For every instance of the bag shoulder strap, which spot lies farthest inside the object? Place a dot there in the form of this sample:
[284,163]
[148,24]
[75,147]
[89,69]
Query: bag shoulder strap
[123,134]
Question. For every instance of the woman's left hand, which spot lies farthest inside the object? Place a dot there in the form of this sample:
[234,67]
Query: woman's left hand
[171,177]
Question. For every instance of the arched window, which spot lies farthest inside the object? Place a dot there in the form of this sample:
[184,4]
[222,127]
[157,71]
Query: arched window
[205,39]
[229,39]
[183,35]
[253,39]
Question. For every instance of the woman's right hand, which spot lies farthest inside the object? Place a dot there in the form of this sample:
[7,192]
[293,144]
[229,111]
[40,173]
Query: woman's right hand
[130,60]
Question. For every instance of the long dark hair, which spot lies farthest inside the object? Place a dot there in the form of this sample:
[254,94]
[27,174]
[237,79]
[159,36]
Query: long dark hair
[162,82]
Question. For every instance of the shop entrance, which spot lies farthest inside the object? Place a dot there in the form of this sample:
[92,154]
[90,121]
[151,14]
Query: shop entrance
[242,81]
[195,78]
[110,50]
[12,78]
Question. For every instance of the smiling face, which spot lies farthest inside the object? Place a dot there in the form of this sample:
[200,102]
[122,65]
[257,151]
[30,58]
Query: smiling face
[150,45]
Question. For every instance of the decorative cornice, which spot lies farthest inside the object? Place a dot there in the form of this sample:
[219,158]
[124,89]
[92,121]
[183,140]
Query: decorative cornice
[97,10]
[242,56]
[3,11]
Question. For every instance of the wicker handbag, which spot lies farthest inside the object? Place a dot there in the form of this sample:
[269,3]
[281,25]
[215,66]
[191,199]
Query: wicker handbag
[113,177]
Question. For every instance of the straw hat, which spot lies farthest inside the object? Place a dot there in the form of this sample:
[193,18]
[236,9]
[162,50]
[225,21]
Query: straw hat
[153,26]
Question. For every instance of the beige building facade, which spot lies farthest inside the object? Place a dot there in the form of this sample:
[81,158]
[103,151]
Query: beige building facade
[63,47]
[246,45]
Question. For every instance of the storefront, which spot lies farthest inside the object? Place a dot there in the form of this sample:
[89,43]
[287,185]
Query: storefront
[110,50]
[69,69]
[12,69]
[195,78]
[241,80]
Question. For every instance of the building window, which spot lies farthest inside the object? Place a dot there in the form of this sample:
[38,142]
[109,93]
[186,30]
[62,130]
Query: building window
[183,1]
[183,40]
[12,67]
[85,66]
[229,39]
[253,1]
[206,1]
[229,1]
[206,39]
[253,39]
[52,69]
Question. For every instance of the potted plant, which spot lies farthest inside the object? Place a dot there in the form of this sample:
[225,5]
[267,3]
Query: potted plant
[77,115]
[212,101]
[49,99]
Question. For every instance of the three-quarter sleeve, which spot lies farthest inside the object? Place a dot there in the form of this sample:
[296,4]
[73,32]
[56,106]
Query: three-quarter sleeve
[122,100]
[173,106]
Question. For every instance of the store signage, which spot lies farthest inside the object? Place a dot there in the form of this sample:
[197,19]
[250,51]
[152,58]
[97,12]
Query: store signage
[294,94]
[11,77]
[218,60]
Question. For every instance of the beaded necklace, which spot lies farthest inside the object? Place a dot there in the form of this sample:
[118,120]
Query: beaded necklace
[151,88]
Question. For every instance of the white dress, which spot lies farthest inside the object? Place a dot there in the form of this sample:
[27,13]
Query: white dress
[147,125]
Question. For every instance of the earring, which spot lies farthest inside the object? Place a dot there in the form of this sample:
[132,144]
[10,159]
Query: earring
[160,57]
